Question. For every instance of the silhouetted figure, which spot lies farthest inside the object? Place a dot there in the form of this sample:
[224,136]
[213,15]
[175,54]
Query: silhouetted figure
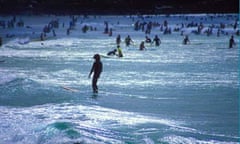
[106,27]
[96,69]
[112,53]
[186,40]
[128,40]
[157,40]
[68,31]
[231,42]
[118,40]
[142,47]
[148,40]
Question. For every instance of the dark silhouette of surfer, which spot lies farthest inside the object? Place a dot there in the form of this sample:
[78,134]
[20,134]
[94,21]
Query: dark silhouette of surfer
[128,40]
[231,42]
[156,40]
[112,53]
[186,40]
[96,69]
[142,47]
[118,40]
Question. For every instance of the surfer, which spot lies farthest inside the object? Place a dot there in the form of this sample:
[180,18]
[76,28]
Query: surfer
[106,27]
[120,54]
[96,69]
[231,42]
[156,40]
[186,40]
[148,40]
[128,40]
[142,47]
[118,40]
[112,53]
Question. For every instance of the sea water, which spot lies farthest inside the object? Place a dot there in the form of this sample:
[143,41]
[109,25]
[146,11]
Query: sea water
[172,94]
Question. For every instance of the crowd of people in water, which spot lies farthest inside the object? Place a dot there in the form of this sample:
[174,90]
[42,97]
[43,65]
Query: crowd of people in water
[141,24]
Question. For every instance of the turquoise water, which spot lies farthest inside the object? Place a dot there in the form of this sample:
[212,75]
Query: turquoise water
[170,94]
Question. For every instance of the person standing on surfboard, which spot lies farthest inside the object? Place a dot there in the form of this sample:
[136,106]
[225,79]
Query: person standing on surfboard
[96,69]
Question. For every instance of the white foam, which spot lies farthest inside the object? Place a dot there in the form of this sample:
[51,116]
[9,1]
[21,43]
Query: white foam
[93,122]
[173,139]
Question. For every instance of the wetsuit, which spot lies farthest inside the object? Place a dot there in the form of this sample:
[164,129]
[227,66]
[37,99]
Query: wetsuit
[157,41]
[120,54]
[97,69]
[112,52]
[231,42]
[142,47]
[186,41]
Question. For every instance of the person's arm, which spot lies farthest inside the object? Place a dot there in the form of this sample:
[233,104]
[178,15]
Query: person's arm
[91,70]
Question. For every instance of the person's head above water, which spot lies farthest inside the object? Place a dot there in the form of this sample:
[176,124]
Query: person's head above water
[96,57]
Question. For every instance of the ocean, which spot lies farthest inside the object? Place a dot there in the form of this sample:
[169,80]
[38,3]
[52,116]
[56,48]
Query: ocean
[171,94]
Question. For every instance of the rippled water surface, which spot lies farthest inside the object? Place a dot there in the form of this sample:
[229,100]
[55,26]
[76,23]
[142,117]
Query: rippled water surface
[169,94]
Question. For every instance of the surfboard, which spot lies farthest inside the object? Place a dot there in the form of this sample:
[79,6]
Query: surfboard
[84,93]
[106,56]
[70,89]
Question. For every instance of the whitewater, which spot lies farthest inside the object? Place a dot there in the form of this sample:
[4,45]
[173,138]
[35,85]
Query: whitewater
[171,94]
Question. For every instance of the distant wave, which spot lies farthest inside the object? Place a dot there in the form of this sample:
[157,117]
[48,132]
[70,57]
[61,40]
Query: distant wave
[27,92]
